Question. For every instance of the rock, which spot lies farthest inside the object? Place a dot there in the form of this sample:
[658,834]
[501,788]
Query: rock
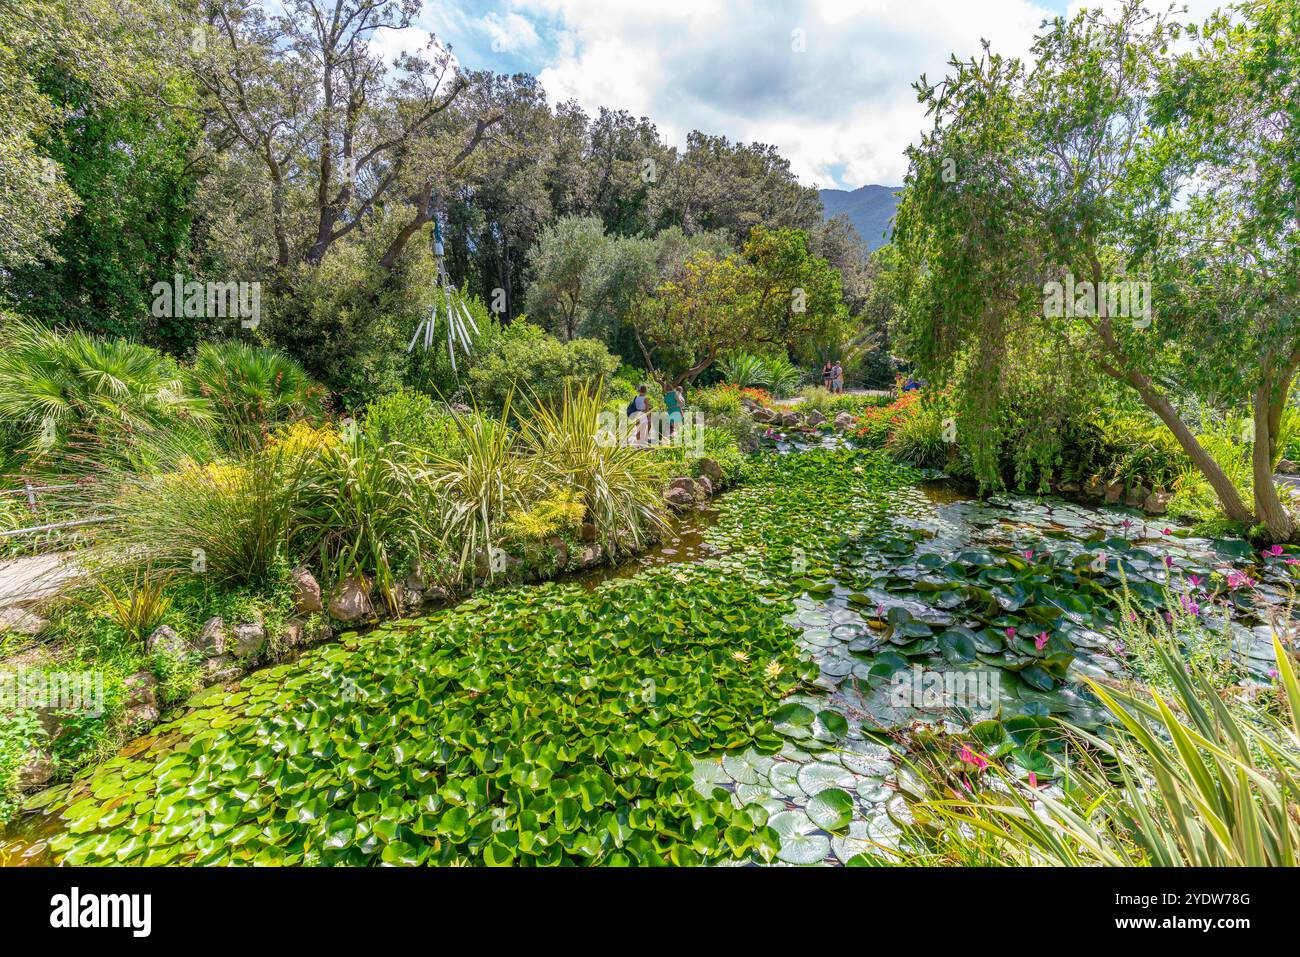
[165,641]
[679,498]
[815,418]
[561,550]
[1094,489]
[460,408]
[36,770]
[703,489]
[412,598]
[298,632]
[141,689]
[684,483]
[1068,487]
[766,416]
[54,721]
[141,714]
[1157,503]
[435,593]
[748,404]
[844,421]
[590,555]
[790,420]
[220,670]
[416,580]
[22,621]
[306,593]
[1287,467]
[588,532]
[713,470]
[1134,498]
[249,640]
[212,639]
[1114,492]
[351,601]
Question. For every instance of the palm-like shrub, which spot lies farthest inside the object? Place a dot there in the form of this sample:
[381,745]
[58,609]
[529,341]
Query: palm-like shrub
[484,482]
[617,483]
[743,369]
[53,385]
[253,390]
[782,376]
[363,508]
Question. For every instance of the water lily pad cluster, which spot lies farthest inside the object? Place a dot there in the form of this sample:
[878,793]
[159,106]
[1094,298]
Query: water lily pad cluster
[543,725]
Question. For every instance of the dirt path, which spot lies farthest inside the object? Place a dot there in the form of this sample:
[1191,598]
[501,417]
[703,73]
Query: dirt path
[31,578]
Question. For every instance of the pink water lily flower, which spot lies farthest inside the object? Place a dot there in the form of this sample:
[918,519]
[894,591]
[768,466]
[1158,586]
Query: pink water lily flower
[1033,780]
[1238,579]
[1041,641]
[973,757]
[1292,561]
[1011,633]
[1195,580]
[1273,551]
[1029,554]
[1166,531]
[1169,562]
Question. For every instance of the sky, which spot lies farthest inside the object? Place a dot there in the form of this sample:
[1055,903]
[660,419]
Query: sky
[828,82]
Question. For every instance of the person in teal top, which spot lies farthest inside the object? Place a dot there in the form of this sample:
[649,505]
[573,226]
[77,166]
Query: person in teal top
[674,404]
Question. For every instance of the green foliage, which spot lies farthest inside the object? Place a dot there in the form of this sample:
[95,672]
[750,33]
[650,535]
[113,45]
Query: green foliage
[137,603]
[614,481]
[541,366]
[414,420]
[603,778]
[743,369]
[918,438]
[20,731]
[56,385]
[1192,780]
[364,508]
[780,375]
[252,390]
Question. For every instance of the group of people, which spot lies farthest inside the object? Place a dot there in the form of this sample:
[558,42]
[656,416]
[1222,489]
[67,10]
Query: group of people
[833,376]
[639,411]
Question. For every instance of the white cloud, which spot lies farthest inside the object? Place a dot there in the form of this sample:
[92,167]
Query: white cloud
[510,33]
[842,111]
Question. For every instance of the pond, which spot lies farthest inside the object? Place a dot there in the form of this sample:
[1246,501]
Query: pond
[729,697]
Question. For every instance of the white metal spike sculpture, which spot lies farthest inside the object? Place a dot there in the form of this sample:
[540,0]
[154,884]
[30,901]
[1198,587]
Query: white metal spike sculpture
[460,324]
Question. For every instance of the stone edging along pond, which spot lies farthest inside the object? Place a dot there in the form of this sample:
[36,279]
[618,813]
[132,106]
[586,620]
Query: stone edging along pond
[229,651]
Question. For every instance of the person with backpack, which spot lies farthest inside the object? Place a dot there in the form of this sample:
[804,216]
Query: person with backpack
[638,410]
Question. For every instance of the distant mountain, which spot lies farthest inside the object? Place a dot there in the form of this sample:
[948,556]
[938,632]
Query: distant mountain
[869,208]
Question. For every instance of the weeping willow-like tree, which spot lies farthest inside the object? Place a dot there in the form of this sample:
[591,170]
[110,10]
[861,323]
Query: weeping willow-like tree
[1101,165]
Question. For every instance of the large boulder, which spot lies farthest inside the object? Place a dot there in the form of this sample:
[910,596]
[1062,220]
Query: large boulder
[844,420]
[1136,497]
[815,418]
[590,555]
[351,600]
[791,419]
[22,621]
[298,632]
[248,640]
[212,639]
[165,641]
[713,470]
[306,593]
[141,715]
[703,488]
[763,415]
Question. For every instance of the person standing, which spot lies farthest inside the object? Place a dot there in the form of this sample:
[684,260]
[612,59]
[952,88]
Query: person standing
[638,411]
[837,377]
[674,405]
[828,380]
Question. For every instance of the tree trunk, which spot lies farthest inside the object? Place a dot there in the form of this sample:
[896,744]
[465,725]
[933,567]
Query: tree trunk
[1229,496]
[1268,507]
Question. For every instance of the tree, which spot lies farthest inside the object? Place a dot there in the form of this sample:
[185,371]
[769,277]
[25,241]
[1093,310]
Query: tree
[773,292]
[568,264]
[1064,173]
